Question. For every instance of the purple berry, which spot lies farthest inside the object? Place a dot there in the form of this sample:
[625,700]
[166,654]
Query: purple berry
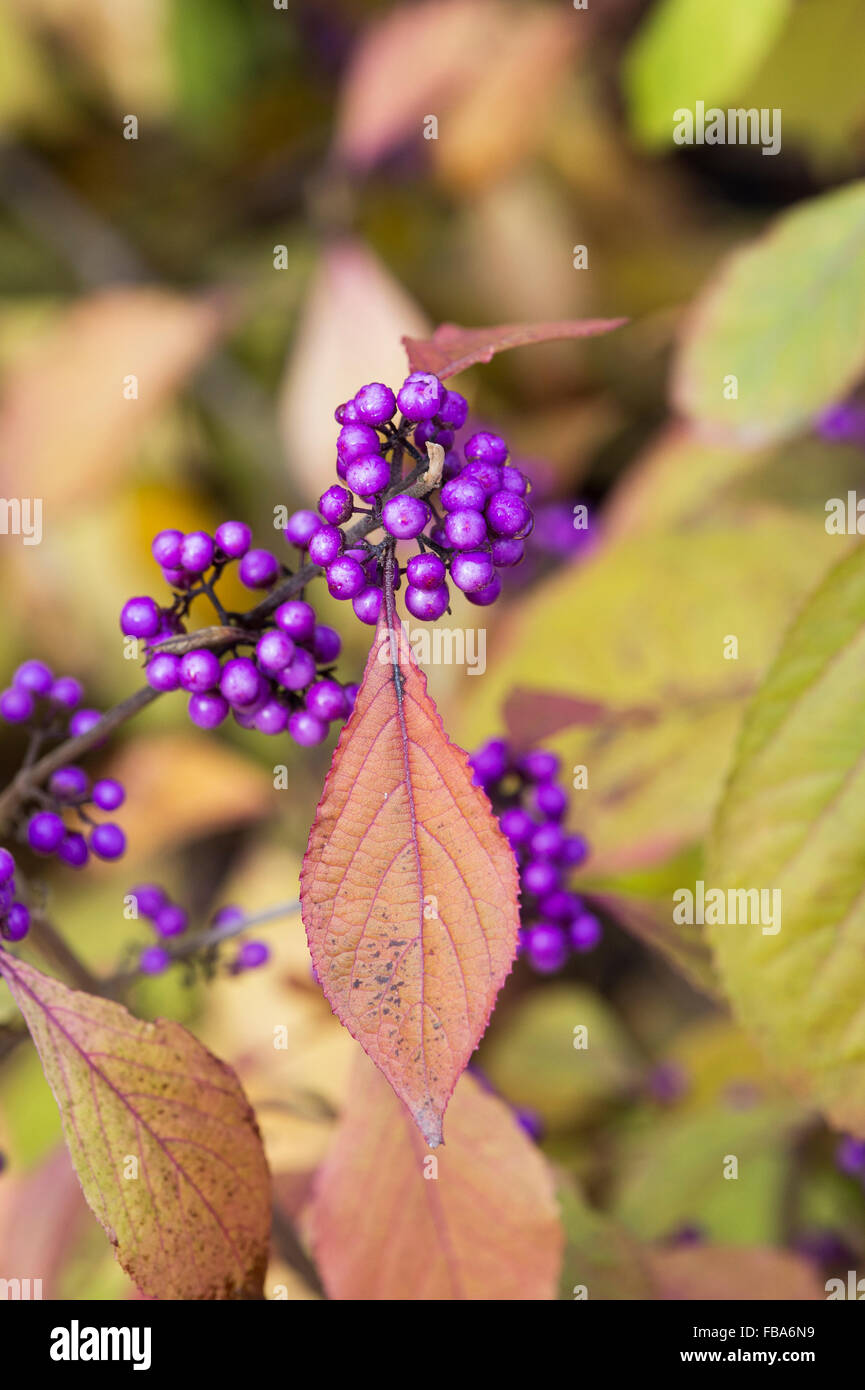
[299,671]
[427,604]
[367,604]
[355,442]
[539,765]
[425,571]
[240,682]
[66,692]
[368,475]
[108,794]
[420,396]
[547,947]
[325,545]
[326,700]
[472,570]
[486,475]
[453,410]
[351,692]
[301,527]
[346,414]
[251,955]
[171,920]
[375,403]
[207,711]
[149,898]
[405,517]
[272,718]
[850,1156]
[230,915]
[575,851]
[34,676]
[153,960]
[306,729]
[45,831]
[485,447]
[345,577]
[233,538]
[107,841]
[274,651]
[550,800]
[69,783]
[515,481]
[82,721]
[163,672]
[561,906]
[296,619]
[7,866]
[507,553]
[16,706]
[140,617]
[17,922]
[199,671]
[507,514]
[585,932]
[336,505]
[465,529]
[165,549]
[258,569]
[326,644]
[196,552]
[540,877]
[462,494]
[516,824]
[489,762]
[546,841]
[73,850]
[488,594]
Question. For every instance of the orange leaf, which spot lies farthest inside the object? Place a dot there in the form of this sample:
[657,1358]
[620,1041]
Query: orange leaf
[162,1137]
[408,887]
[482,1223]
[451,349]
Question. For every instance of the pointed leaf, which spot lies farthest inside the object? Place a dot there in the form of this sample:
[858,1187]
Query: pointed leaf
[481,1224]
[409,889]
[162,1137]
[451,349]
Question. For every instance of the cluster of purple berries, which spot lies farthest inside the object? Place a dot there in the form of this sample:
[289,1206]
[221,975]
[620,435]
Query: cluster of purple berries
[285,684]
[37,696]
[14,915]
[70,789]
[170,920]
[475,527]
[530,804]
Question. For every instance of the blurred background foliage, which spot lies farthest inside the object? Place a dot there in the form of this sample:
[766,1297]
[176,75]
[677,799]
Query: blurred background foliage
[293,137]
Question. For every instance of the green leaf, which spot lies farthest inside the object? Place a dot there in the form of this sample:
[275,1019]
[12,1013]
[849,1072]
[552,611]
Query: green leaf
[690,50]
[786,318]
[793,819]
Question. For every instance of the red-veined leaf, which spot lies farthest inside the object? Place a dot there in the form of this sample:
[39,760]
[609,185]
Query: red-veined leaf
[408,888]
[452,349]
[162,1137]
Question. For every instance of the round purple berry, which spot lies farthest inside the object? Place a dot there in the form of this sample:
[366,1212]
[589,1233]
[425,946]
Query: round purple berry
[539,765]
[345,577]
[251,955]
[488,594]
[351,693]
[272,718]
[66,692]
[306,729]
[82,721]
[550,800]
[196,552]
[16,706]
[258,569]
[73,850]
[7,866]
[171,920]
[367,604]
[336,505]
[301,527]
[425,571]
[420,396]
[547,947]
[585,932]
[427,604]
[486,475]
[165,549]
[453,410]
[69,783]
[240,681]
[108,794]
[207,711]
[540,877]
[17,922]
[355,442]
[368,475]
[405,517]
[107,841]
[153,960]
[326,700]
[375,403]
[326,644]
[489,762]
[346,414]
[561,906]
[149,898]
[465,529]
[199,671]
[472,570]
[233,538]
[516,824]
[163,672]
[507,514]
[274,651]
[299,671]
[140,617]
[45,831]
[34,676]
[296,619]
[325,545]
[507,553]
[485,447]
[575,851]
[546,841]
[515,481]
[462,494]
